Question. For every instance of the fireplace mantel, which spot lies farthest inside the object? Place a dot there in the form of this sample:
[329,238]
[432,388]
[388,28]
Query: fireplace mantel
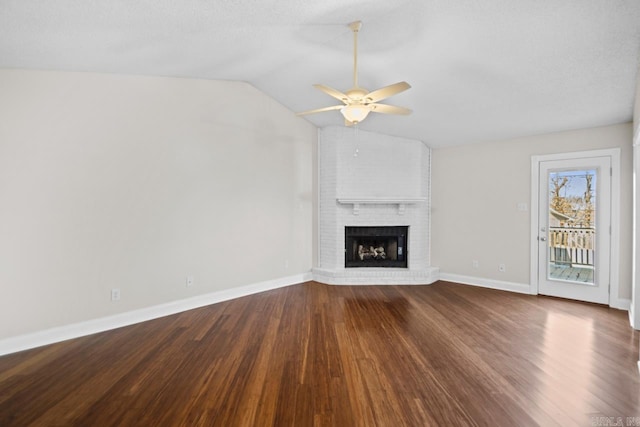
[401,202]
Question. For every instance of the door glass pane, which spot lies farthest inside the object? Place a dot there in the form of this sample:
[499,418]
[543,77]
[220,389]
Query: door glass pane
[572,226]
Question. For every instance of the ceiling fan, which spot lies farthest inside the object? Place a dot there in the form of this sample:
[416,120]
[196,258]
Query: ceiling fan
[357,101]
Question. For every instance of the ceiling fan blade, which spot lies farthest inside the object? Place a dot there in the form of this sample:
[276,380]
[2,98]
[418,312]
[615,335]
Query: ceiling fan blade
[320,110]
[332,92]
[389,109]
[387,91]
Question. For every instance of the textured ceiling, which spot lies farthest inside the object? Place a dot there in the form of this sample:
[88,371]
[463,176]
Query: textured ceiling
[480,70]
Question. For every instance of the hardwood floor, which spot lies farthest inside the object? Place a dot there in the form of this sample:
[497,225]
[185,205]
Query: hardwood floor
[313,354]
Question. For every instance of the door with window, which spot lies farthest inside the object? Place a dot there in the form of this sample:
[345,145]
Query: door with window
[574,228]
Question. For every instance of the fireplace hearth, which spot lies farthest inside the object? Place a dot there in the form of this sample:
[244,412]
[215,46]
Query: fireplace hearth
[376,246]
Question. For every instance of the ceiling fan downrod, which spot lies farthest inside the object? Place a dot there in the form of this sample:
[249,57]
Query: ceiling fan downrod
[355,27]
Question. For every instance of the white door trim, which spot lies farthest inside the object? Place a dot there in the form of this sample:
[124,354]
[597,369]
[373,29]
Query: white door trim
[614,274]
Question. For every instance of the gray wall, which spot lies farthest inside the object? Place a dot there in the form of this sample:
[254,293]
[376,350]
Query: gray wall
[129,182]
[475,192]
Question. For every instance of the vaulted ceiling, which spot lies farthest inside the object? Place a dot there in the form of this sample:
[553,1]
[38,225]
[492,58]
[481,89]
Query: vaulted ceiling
[479,70]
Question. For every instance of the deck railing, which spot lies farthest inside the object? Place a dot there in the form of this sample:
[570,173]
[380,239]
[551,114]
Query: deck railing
[571,245]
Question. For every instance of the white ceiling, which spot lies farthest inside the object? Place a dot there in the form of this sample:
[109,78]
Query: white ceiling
[480,70]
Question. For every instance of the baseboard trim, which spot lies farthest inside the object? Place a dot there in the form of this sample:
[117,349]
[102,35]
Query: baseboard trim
[522,288]
[76,330]
[620,303]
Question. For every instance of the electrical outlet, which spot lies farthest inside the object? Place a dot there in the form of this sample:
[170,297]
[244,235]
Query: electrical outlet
[502,268]
[189,281]
[115,294]
[475,263]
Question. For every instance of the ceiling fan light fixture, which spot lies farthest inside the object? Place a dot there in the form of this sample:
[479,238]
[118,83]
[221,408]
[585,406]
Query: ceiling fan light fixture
[359,102]
[355,113]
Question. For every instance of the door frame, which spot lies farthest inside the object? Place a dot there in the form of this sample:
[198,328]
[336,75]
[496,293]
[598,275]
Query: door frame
[614,268]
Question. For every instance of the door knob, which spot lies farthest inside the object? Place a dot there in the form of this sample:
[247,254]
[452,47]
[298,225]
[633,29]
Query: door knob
[543,239]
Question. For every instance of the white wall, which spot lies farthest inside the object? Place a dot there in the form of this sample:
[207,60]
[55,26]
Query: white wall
[134,182]
[634,312]
[636,109]
[475,192]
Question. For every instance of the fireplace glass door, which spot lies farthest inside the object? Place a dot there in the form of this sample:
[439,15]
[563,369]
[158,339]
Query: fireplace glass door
[376,246]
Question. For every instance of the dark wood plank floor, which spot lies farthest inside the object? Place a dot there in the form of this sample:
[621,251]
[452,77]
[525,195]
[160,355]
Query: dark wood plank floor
[313,354]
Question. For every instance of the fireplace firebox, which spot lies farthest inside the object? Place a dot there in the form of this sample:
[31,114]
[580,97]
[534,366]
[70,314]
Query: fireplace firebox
[376,246]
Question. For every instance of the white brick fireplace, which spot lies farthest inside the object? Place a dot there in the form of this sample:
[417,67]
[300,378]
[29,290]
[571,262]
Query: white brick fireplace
[369,179]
